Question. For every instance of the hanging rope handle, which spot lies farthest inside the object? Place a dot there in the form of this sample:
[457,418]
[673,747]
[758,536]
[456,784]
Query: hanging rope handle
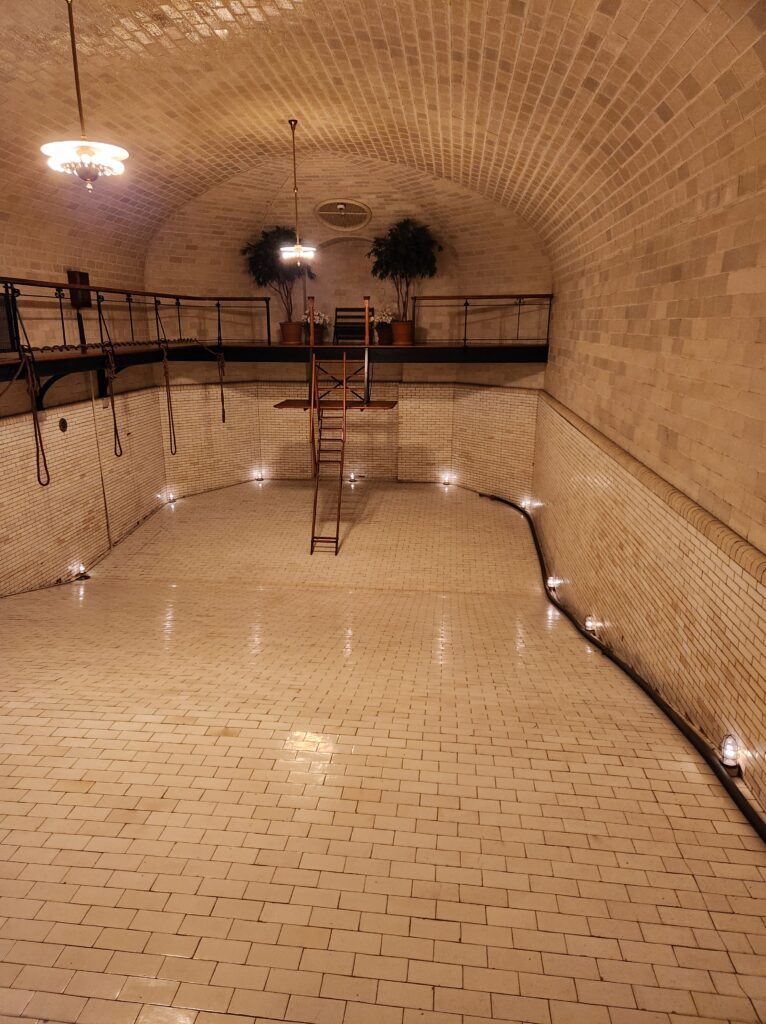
[110,369]
[111,372]
[221,371]
[221,360]
[168,396]
[33,388]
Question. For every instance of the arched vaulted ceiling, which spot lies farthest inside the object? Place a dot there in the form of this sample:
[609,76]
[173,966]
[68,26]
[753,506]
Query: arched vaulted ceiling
[565,110]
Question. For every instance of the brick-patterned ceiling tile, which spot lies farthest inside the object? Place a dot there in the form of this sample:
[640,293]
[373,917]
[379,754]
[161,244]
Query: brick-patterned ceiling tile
[572,112]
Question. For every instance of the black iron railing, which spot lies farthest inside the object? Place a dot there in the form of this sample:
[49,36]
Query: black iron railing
[53,316]
[482,319]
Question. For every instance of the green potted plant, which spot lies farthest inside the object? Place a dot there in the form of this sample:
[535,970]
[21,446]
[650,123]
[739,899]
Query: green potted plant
[406,253]
[269,270]
[382,321]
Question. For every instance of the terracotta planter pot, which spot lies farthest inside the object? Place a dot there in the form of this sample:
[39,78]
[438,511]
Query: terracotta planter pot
[403,332]
[292,332]
[385,334]
[319,334]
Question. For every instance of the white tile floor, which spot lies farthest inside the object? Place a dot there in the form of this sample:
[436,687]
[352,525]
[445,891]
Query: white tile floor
[392,787]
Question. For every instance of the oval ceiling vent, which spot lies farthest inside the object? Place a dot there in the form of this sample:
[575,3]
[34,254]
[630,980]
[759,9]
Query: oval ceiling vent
[344,214]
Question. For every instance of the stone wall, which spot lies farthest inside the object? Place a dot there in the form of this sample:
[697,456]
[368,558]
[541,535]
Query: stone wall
[479,437]
[94,499]
[682,599]
[658,331]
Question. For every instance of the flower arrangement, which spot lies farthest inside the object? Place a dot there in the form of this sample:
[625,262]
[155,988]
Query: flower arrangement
[320,319]
[383,316]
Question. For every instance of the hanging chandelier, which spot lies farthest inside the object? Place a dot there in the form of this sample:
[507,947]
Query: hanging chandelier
[296,252]
[84,158]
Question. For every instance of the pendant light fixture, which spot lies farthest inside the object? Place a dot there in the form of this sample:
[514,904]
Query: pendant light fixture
[296,252]
[88,160]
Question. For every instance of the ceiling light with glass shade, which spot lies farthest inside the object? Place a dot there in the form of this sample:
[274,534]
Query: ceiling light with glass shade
[82,157]
[296,253]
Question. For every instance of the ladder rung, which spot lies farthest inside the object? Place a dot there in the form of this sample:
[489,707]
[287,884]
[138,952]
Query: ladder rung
[328,433]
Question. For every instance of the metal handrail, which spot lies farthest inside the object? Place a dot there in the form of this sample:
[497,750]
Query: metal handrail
[539,302]
[127,305]
[69,286]
[510,295]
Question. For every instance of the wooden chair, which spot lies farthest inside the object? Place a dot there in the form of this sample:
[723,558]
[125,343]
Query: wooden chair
[348,328]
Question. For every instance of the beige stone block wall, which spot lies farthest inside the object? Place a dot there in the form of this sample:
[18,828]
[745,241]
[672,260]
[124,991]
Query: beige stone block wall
[42,236]
[658,324]
[133,484]
[374,437]
[682,599]
[209,452]
[46,531]
[92,497]
[426,424]
[482,438]
[494,440]
[284,433]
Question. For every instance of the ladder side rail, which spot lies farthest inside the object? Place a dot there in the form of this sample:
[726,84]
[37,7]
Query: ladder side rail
[317,455]
[366,398]
[342,456]
[313,413]
[314,509]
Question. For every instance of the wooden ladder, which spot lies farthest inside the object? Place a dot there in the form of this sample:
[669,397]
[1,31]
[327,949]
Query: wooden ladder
[328,443]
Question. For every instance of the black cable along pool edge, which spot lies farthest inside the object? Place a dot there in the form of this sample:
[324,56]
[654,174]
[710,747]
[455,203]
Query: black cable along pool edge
[748,809]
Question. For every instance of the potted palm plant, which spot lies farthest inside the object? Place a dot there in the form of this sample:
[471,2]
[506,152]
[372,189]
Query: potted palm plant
[407,252]
[267,268]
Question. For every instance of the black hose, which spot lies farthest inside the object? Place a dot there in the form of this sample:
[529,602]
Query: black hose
[700,744]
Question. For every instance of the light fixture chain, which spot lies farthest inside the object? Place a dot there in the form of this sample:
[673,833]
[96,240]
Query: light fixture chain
[87,159]
[293,125]
[73,40]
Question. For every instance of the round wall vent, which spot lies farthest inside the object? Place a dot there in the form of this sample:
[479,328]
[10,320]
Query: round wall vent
[344,214]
